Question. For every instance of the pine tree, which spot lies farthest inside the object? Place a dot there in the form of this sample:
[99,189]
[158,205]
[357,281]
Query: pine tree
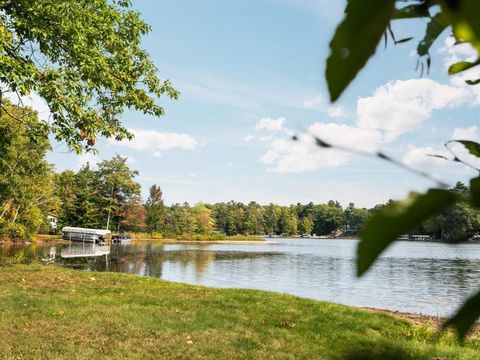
[155,210]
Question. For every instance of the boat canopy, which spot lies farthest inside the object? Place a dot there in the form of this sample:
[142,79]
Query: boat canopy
[77,230]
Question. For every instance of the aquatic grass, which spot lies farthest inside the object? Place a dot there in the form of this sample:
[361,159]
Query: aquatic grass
[52,312]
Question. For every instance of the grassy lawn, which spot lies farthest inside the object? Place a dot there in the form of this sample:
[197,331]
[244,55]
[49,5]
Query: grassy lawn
[51,312]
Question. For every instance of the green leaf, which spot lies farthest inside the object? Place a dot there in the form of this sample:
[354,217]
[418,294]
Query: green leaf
[396,219]
[404,40]
[466,316]
[411,11]
[355,41]
[475,192]
[461,66]
[472,146]
[473,82]
[438,156]
[464,17]
[435,27]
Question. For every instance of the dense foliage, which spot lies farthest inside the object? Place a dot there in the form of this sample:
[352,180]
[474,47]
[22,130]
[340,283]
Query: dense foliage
[83,204]
[26,179]
[84,59]
[98,198]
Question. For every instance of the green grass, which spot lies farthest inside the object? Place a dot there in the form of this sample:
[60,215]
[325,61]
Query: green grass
[51,312]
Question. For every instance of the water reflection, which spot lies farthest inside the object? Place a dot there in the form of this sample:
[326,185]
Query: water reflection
[80,250]
[50,256]
[417,277]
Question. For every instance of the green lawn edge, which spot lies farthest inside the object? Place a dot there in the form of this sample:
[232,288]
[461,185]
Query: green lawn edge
[58,313]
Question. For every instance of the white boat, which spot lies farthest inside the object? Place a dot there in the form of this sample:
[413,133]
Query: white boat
[421,237]
[84,234]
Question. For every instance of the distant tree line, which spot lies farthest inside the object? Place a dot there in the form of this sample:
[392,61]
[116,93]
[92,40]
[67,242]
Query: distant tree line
[108,196]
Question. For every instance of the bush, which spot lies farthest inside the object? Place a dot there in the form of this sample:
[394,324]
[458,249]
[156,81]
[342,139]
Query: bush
[15,231]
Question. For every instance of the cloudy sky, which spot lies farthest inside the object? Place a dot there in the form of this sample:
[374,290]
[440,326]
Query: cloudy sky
[251,76]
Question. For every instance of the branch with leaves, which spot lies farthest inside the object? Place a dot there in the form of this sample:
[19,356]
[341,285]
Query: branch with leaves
[85,60]
[354,42]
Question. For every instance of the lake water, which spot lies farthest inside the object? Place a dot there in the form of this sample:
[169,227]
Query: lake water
[419,277]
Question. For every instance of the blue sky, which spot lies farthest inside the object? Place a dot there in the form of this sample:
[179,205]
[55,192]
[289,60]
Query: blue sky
[251,75]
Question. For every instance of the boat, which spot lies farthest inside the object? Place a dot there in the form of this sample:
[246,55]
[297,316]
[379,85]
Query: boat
[421,237]
[84,234]
[121,239]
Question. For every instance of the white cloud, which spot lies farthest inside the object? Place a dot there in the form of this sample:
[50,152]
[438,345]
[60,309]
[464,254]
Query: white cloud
[249,138]
[399,106]
[455,53]
[347,136]
[337,111]
[394,109]
[421,156]
[267,137]
[465,134]
[314,102]
[319,103]
[285,155]
[270,124]
[462,52]
[157,141]
[157,154]
[470,133]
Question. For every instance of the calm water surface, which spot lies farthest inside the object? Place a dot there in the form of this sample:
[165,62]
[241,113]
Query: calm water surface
[420,277]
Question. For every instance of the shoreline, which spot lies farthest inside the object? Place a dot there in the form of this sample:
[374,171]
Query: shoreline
[206,242]
[48,239]
[472,241]
[60,241]
[430,321]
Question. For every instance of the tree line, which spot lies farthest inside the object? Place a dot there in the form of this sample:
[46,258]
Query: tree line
[108,196]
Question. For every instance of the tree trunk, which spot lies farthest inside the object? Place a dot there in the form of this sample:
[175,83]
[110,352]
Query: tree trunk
[108,218]
[110,208]
[16,214]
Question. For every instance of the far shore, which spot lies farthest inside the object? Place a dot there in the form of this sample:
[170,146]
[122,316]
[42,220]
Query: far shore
[186,241]
[471,241]
[254,239]
[57,239]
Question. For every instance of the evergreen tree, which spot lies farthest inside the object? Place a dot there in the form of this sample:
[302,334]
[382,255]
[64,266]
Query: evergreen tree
[155,210]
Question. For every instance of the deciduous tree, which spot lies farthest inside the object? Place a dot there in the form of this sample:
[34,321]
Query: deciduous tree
[85,60]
